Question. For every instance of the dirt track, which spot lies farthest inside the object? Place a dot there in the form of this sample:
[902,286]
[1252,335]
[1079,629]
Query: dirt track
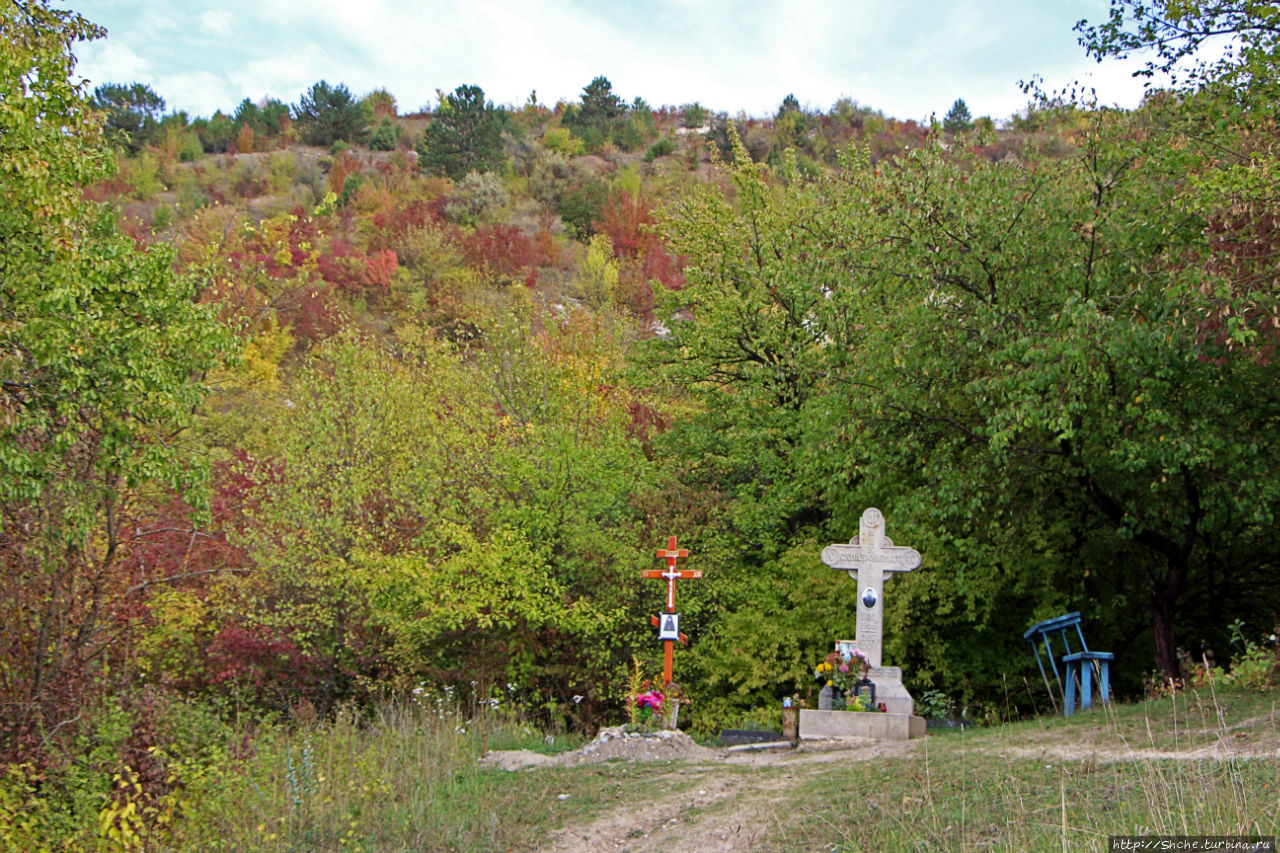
[737,797]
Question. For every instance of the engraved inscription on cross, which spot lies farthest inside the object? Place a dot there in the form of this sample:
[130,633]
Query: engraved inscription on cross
[871,557]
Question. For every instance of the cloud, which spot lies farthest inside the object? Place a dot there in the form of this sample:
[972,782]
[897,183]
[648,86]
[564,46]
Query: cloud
[907,59]
[285,77]
[200,93]
[113,62]
[216,22]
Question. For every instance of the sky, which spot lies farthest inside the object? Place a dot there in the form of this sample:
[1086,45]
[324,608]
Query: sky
[908,59]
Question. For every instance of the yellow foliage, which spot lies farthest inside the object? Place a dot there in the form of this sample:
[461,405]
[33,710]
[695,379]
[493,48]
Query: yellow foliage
[599,273]
[133,821]
[179,615]
[245,391]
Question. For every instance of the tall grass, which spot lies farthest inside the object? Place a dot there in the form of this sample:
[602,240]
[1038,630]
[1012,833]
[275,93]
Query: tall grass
[405,778]
[1056,784]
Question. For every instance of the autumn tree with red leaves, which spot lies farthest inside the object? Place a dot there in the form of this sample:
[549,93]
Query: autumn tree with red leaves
[104,349]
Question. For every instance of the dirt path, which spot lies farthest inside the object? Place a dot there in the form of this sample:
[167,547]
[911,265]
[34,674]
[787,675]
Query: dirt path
[733,804]
[738,797]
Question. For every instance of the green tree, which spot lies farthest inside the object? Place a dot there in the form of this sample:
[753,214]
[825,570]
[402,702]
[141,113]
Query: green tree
[275,116]
[1001,363]
[600,106]
[465,135]
[792,129]
[133,112]
[215,132]
[103,350]
[329,113]
[386,136]
[957,119]
[744,352]
[602,116]
[249,114]
[693,115]
[1176,32]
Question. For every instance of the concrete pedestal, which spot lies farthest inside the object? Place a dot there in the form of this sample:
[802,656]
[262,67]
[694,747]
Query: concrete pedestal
[899,723]
[853,724]
[890,690]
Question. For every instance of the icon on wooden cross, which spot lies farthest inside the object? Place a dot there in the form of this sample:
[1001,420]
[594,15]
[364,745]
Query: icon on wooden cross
[669,628]
[869,597]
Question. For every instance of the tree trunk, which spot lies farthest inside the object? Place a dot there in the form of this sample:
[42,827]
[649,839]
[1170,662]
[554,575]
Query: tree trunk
[1163,599]
[1164,591]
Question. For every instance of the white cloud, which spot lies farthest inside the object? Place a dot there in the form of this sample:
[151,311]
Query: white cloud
[113,62]
[907,59]
[284,77]
[216,22]
[200,93]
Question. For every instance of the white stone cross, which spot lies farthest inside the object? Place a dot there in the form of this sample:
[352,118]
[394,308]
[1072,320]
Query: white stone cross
[870,557]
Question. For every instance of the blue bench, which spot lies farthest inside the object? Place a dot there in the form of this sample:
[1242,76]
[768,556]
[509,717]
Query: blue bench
[1078,670]
[1081,666]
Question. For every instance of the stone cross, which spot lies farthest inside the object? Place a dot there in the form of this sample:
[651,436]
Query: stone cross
[870,557]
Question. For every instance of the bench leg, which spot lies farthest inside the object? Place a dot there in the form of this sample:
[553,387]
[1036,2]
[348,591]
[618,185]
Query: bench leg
[1069,703]
[1104,680]
[1086,687]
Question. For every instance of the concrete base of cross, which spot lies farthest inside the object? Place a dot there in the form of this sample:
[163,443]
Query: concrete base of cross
[899,721]
[822,725]
[890,690]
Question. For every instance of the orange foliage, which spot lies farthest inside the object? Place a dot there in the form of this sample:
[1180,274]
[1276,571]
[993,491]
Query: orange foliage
[346,165]
[628,220]
[244,140]
[504,250]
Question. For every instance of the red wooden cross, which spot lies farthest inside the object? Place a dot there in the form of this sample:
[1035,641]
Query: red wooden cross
[671,553]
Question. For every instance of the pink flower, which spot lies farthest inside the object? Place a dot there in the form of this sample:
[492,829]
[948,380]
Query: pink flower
[652,699]
[844,667]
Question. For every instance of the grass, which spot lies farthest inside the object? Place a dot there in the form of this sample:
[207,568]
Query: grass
[1055,783]
[410,779]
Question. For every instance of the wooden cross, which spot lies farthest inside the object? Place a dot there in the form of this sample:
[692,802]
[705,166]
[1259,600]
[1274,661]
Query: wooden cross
[872,558]
[671,553]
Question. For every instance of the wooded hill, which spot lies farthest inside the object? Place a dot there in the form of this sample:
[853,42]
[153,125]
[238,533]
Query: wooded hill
[320,403]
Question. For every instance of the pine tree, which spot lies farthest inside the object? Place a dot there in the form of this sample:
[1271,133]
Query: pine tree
[957,118]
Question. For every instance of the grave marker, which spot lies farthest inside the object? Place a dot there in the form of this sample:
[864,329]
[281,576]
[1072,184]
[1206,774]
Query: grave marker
[870,558]
[669,624]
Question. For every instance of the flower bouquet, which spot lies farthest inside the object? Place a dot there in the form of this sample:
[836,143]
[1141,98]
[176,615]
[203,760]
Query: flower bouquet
[842,672]
[646,707]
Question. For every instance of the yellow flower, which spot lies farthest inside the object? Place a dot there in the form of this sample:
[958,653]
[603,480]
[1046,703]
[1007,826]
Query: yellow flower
[831,684]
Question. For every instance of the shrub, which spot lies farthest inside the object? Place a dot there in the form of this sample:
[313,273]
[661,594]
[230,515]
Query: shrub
[386,136]
[476,195]
[562,141]
[1257,665]
[582,207]
[503,250]
[664,146]
[143,175]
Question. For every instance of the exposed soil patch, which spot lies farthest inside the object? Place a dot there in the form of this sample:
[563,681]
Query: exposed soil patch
[734,804]
[611,743]
[721,800]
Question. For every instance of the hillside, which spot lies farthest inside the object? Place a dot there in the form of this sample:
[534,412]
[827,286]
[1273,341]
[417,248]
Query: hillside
[321,424]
